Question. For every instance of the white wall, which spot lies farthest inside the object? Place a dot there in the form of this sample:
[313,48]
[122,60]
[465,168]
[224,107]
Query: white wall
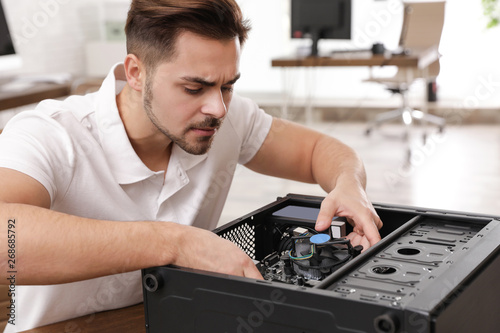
[470,66]
[51,35]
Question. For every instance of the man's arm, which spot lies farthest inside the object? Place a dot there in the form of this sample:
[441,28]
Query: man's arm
[296,152]
[52,247]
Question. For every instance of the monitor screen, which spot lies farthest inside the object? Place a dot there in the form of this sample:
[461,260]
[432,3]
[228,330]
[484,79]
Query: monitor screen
[9,60]
[321,19]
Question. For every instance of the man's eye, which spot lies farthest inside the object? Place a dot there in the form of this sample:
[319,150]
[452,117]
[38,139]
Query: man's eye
[192,91]
[227,89]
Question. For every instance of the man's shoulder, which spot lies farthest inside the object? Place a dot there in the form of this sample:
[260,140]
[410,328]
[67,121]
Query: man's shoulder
[237,114]
[246,112]
[246,126]
[77,106]
[239,102]
[53,116]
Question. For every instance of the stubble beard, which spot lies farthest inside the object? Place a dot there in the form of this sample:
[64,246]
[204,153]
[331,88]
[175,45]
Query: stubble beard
[202,144]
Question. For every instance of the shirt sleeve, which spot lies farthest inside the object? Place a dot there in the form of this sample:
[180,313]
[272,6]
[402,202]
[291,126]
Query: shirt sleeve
[38,146]
[252,125]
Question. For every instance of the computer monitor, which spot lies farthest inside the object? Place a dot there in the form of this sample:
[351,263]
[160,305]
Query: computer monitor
[321,19]
[9,59]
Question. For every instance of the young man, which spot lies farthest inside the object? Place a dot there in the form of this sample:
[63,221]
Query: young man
[133,176]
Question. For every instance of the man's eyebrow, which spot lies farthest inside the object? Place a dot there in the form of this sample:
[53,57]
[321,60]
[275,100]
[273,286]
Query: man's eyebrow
[233,81]
[206,83]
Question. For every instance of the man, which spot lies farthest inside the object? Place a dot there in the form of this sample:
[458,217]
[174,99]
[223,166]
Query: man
[100,186]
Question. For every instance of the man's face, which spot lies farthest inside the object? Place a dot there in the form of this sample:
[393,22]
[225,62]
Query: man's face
[188,97]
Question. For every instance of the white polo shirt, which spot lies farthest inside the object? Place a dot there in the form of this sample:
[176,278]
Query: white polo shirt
[79,151]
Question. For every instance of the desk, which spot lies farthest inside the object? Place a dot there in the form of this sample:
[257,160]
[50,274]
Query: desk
[126,320]
[35,94]
[344,59]
[419,60]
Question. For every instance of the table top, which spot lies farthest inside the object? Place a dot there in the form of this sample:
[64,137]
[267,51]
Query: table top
[34,94]
[125,320]
[345,59]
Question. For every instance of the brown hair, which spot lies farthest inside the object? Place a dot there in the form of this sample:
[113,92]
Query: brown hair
[153,26]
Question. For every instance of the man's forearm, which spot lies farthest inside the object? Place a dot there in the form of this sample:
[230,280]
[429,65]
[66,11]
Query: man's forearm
[52,247]
[333,161]
[57,248]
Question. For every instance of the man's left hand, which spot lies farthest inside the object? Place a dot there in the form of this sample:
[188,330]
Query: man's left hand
[349,200]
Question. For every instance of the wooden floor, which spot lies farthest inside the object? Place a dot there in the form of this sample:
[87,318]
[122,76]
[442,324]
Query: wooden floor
[458,170]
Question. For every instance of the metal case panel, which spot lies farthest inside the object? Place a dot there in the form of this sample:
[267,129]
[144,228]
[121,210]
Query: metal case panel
[430,267]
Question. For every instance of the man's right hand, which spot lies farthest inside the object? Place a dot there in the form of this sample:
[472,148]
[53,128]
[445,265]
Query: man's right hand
[202,249]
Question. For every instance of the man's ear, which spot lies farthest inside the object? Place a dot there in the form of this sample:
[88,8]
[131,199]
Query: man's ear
[135,72]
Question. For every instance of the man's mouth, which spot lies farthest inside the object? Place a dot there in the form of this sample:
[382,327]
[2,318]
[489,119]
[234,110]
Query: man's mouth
[204,131]
[206,128]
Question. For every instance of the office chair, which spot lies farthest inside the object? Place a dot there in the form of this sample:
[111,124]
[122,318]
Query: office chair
[420,34]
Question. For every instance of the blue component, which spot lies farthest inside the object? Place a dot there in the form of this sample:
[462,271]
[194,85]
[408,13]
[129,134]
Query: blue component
[320,238]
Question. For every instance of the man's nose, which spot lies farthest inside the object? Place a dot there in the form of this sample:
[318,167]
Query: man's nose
[214,105]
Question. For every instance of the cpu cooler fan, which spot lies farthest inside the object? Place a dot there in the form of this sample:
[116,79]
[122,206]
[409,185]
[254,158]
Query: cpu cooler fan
[316,256]
[304,257]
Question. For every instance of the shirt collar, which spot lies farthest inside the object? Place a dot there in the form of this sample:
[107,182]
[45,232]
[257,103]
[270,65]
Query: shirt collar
[126,166]
[186,160]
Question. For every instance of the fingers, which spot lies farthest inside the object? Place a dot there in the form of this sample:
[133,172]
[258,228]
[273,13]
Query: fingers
[371,233]
[252,272]
[366,225]
[378,221]
[326,213]
[370,226]
[204,250]
[357,239]
[360,214]
[237,262]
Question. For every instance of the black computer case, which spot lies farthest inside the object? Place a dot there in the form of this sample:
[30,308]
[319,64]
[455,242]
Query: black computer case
[433,271]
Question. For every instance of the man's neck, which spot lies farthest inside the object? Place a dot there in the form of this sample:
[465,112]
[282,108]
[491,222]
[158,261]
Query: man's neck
[152,147]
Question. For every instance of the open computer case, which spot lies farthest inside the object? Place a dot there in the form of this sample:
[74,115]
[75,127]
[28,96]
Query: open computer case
[433,271]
